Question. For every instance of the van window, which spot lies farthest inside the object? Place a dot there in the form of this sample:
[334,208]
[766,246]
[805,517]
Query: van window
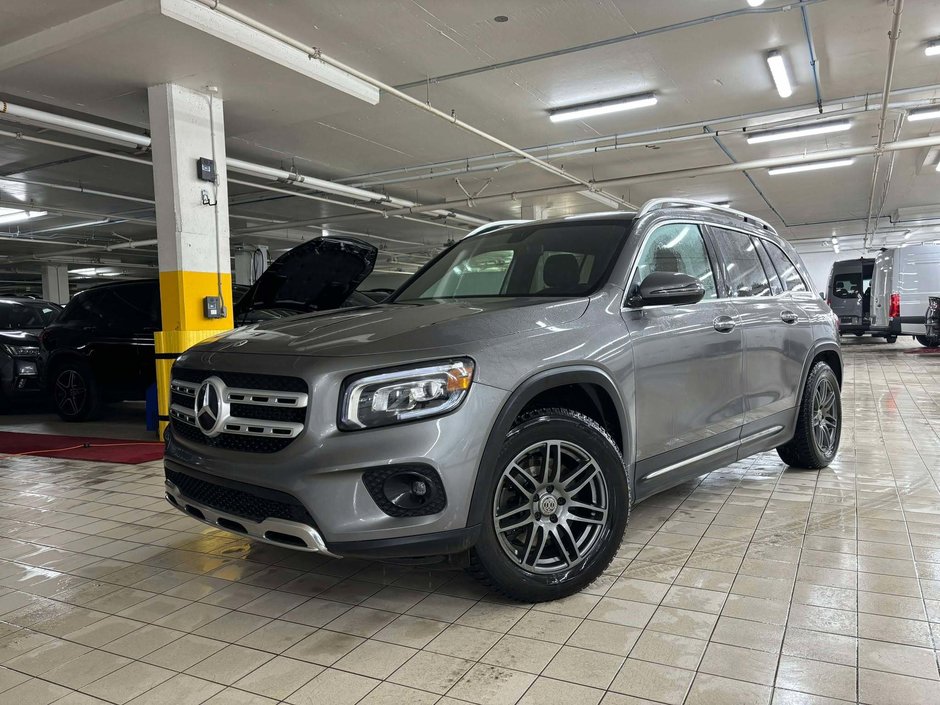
[847,286]
[743,270]
[677,247]
[789,274]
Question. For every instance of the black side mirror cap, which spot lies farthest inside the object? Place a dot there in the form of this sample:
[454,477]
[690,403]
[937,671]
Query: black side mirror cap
[667,289]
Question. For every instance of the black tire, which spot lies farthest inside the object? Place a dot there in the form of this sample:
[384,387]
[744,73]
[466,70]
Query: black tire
[859,335]
[75,392]
[599,531]
[805,449]
[927,341]
[891,338]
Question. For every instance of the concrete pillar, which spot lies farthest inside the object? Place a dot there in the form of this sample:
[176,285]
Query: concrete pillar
[192,223]
[55,283]
[531,211]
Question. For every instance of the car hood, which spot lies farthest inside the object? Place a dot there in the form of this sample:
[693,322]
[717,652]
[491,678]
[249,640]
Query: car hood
[19,337]
[316,275]
[391,328]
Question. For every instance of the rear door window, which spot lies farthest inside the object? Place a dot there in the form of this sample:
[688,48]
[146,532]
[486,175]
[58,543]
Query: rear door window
[847,286]
[786,270]
[776,286]
[743,271]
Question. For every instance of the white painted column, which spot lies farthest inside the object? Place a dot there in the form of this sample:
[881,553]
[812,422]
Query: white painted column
[192,221]
[55,283]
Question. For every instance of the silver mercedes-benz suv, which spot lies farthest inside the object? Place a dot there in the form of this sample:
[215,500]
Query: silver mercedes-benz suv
[515,397]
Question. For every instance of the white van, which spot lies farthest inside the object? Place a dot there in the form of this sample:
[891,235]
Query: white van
[904,280]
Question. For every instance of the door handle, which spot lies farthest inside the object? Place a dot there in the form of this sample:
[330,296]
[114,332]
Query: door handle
[788,317]
[724,324]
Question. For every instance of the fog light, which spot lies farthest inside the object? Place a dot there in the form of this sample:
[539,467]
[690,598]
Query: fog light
[406,491]
[27,369]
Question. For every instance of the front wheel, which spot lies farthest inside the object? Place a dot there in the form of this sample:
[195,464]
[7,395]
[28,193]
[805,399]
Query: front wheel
[558,505]
[891,339]
[75,392]
[819,424]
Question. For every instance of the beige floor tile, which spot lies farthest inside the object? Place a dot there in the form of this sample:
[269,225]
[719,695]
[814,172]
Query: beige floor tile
[362,621]
[879,688]
[625,612]
[603,636]
[491,685]
[816,677]
[547,627]
[332,687]
[521,654]
[545,691]
[897,658]
[35,692]
[179,690]
[669,649]
[742,664]
[392,694]
[128,682]
[714,690]
[276,636]
[232,626]
[323,647]
[588,668]
[672,620]
[279,677]
[375,659]
[184,652]
[654,681]
[820,646]
[434,672]
[893,629]
[748,634]
[229,664]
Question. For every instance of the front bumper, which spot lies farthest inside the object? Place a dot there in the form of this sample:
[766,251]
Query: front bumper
[279,532]
[20,377]
[322,470]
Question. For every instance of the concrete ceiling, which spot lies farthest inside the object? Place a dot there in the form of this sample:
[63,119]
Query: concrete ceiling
[94,59]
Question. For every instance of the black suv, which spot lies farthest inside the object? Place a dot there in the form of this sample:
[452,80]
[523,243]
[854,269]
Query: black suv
[101,349]
[21,319]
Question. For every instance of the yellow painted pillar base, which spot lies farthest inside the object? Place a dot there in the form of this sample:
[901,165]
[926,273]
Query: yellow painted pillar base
[170,344]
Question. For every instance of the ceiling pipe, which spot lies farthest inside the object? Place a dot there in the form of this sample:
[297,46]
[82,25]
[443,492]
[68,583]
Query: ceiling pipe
[451,118]
[78,189]
[893,37]
[92,129]
[837,103]
[811,46]
[605,42]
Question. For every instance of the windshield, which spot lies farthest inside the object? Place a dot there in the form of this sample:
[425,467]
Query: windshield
[19,315]
[558,259]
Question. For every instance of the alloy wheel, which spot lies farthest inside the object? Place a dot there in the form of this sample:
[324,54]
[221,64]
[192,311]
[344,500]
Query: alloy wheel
[825,417]
[70,392]
[551,506]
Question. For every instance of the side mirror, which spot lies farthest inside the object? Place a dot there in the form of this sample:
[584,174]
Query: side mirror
[667,288]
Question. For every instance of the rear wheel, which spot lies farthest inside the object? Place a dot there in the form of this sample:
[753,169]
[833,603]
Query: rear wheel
[891,339]
[927,341]
[819,424]
[75,392]
[557,508]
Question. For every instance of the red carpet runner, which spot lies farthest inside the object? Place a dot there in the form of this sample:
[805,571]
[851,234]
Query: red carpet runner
[104,450]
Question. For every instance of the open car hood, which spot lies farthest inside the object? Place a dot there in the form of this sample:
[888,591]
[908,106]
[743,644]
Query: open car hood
[317,275]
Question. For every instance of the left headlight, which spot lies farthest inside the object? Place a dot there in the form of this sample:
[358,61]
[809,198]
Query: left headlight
[22,350]
[404,394]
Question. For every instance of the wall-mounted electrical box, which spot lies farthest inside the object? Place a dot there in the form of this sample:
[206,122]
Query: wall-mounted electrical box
[213,307]
[205,169]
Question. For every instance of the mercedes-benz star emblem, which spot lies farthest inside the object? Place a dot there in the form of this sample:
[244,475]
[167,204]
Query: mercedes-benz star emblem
[210,407]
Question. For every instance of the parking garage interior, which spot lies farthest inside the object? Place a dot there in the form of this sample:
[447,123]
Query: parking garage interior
[186,181]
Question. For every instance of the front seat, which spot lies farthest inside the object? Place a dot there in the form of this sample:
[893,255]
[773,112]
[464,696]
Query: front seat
[561,274]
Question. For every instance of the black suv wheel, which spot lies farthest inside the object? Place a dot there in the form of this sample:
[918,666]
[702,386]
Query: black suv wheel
[557,510]
[819,425]
[75,392]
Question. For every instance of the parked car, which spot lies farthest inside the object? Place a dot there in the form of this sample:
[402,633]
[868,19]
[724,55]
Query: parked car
[102,347]
[515,398]
[21,320]
[849,294]
[904,280]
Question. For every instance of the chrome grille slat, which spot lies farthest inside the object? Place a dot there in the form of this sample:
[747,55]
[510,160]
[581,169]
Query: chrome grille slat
[185,388]
[264,397]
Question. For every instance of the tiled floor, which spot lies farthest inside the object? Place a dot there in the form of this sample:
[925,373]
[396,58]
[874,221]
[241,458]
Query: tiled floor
[750,586]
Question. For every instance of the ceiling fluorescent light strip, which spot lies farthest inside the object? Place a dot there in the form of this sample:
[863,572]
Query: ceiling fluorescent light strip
[603,107]
[809,166]
[931,113]
[780,74]
[789,133]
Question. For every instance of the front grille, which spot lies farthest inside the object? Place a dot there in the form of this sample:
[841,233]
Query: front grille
[255,503]
[266,411]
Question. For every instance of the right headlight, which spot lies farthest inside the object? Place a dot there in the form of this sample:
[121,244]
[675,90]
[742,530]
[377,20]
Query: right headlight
[394,396]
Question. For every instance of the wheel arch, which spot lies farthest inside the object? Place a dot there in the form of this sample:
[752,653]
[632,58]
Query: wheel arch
[594,394]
